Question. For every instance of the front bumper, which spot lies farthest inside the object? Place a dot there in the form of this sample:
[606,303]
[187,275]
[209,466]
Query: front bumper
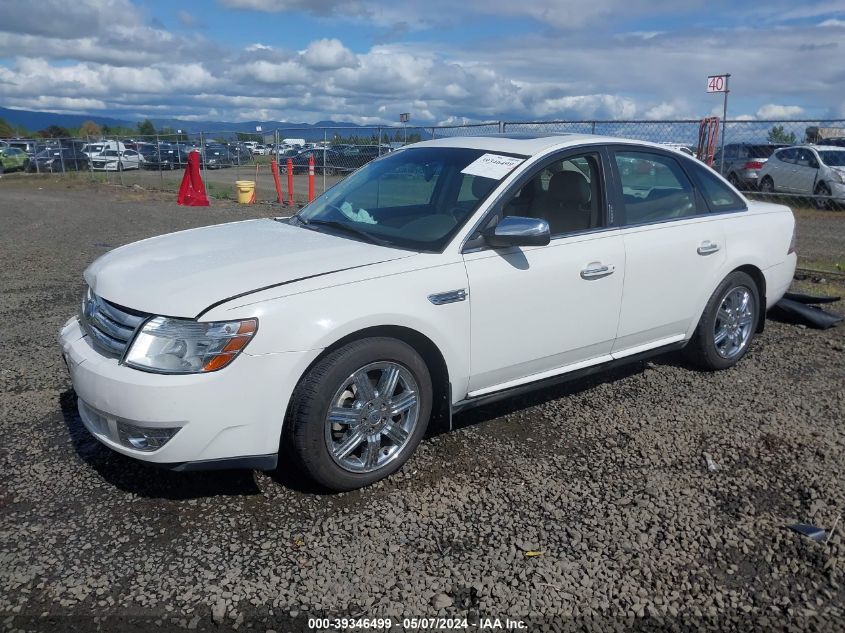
[229,418]
[837,192]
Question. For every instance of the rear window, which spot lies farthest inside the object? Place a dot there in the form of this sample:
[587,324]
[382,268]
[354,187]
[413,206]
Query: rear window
[716,192]
[761,151]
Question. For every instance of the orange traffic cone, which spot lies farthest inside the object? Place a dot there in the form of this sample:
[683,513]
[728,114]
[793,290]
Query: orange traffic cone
[192,190]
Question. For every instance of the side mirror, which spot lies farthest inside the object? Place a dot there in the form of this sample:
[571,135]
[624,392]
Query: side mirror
[514,230]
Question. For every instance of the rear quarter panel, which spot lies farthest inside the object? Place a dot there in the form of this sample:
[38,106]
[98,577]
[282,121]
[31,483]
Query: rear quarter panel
[758,237]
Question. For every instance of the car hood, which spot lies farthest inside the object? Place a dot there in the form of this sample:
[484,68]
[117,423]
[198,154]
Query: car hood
[182,274]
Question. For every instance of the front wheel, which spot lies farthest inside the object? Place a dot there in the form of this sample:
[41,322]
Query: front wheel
[727,325]
[822,199]
[359,413]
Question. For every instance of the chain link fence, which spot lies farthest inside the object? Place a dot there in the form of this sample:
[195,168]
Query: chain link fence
[798,163]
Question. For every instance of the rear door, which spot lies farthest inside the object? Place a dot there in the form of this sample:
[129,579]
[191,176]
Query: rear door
[674,249]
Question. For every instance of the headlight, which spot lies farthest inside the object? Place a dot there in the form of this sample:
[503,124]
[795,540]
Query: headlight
[839,176]
[182,346]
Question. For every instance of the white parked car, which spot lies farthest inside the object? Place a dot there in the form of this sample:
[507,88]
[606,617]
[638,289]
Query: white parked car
[817,170]
[435,278]
[116,160]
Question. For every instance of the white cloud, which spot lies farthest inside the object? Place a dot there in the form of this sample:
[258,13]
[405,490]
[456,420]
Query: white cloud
[128,66]
[328,54]
[833,22]
[774,111]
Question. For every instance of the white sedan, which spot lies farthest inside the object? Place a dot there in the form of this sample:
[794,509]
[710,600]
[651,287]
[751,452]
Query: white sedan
[117,160]
[817,170]
[438,277]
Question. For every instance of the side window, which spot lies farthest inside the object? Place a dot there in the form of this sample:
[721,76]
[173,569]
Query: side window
[719,195]
[788,155]
[802,158]
[566,193]
[654,188]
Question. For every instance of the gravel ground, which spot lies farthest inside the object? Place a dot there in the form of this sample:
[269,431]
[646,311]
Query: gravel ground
[583,506]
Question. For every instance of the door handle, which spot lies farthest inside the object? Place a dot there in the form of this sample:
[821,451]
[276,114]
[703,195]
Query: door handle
[597,270]
[708,248]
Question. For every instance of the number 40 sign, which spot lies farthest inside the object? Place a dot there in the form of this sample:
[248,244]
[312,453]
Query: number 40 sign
[717,83]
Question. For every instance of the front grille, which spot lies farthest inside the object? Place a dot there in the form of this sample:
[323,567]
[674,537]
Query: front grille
[110,327]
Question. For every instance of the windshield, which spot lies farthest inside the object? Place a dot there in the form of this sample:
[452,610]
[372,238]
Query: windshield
[110,152]
[833,159]
[417,198]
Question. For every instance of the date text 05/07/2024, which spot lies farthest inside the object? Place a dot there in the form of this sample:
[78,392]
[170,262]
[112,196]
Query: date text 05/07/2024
[421,623]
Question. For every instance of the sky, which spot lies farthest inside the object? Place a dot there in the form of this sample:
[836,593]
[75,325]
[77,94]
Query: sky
[443,61]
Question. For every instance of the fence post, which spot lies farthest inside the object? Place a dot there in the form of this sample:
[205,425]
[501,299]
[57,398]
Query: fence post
[324,160]
[119,162]
[62,156]
[90,162]
[593,128]
[311,177]
[203,158]
[501,127]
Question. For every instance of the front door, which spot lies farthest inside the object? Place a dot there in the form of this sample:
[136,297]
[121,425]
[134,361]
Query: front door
[543,310]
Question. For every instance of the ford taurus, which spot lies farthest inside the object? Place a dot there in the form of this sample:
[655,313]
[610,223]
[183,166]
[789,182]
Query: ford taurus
[446,274]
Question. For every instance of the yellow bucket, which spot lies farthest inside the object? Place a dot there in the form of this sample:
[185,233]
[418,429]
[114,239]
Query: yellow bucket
[246,191]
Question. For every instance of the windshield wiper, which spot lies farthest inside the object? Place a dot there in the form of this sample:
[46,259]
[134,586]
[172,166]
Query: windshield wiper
[341,226]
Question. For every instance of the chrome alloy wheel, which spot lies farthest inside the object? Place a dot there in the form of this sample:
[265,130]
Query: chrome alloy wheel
[372,417]
[734,322]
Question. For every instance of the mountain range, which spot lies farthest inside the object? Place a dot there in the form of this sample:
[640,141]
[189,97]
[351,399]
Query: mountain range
[35,120]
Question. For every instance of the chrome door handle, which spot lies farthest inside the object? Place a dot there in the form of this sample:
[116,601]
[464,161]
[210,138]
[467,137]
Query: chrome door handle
[708,248]
[596,271]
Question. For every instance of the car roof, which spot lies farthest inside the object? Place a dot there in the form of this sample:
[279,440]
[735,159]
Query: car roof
[529,145]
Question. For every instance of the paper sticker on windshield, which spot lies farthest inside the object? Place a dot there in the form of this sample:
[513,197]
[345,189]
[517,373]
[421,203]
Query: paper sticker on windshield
[493,166]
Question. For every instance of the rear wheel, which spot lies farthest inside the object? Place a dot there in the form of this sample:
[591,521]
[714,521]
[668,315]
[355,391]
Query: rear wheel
[360,413]
[727,325]
[767,185]
[733,180]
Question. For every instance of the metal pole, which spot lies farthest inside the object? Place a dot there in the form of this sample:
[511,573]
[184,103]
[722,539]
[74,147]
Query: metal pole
[324,160]
[158,158]
[90,163]
[62,156]
[593,128]
[203,157]
[724,125]
[119,162]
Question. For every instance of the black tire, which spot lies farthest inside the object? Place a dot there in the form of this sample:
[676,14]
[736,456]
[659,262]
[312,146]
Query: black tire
[2,169]
[734,180]
[305,425]
[822,190]
[701,349]
[767,185]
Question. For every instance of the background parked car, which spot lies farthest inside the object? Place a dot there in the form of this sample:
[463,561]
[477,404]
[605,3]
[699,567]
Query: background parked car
[12,159]
[215,157]
[166,157]
[810,169]
[27,146]
[57,160]
[334,162]
[743,162]
[116,160]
